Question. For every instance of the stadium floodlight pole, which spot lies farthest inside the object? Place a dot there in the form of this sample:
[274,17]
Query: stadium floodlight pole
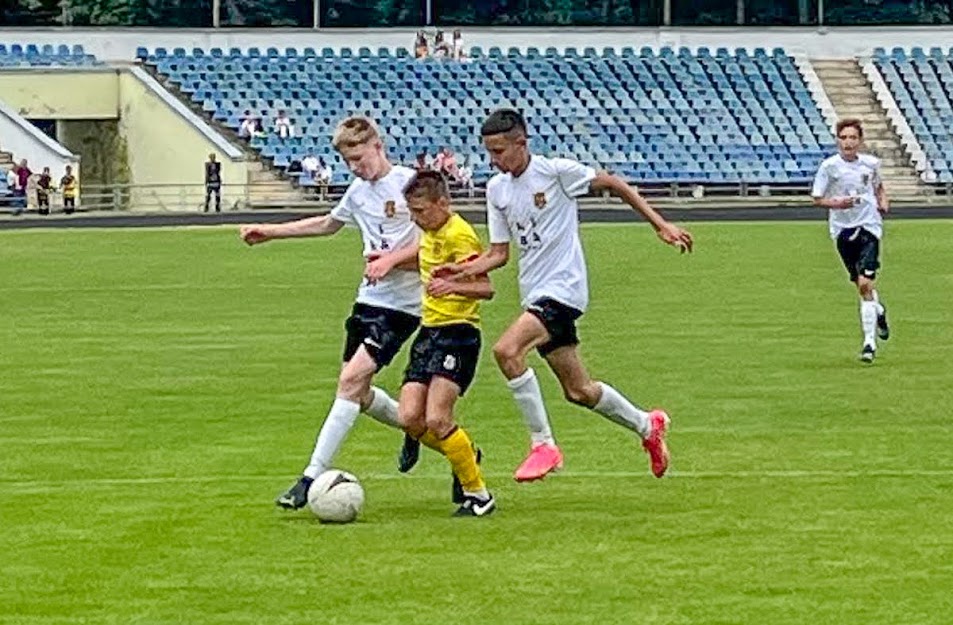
[820,12]
[428,15]
[667,13]
[316,14]
[216,13]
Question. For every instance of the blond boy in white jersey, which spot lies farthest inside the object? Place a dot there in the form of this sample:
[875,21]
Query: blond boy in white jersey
[533,203]
[387,309]
[848,184]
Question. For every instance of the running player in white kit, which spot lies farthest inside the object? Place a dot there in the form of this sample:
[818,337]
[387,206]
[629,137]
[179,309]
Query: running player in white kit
[849,185]
[387,309]
[533,203]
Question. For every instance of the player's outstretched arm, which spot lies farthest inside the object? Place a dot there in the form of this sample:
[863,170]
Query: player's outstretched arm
[379,263]
[835,203]
[494,258]
[309,227]
[667,232]
[477,288]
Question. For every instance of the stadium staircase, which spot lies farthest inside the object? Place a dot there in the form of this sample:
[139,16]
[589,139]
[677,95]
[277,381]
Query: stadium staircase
[268,187]
[852,96]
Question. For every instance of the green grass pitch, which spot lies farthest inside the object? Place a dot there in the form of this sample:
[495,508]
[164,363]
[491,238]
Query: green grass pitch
[160,387]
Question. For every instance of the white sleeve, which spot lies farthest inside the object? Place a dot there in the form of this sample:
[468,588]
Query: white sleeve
[821,182]
[344,211]
[496,223]
[574,177]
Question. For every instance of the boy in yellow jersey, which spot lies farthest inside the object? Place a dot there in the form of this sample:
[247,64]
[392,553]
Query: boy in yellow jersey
[68,184]
[444,355]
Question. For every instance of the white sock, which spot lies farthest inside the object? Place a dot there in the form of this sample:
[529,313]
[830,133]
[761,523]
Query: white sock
[616,408]
[530,401]
[383,408]
[482,494]
[868,321]
[880,308]
[334,430]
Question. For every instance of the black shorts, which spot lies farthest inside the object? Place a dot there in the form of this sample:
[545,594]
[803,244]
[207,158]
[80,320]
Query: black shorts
[559,320]
[860,251]
[381,331]
[69,202]
[450,352]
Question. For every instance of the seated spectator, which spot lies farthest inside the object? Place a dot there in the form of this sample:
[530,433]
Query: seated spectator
[465,178]
[457,51]
[423,162]
[283,126]
[446,163]
[421,48]
[249,126]
[441,47]
[309,166]
[322,176]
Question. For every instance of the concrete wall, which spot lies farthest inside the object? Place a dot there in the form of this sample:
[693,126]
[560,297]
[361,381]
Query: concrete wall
[58,94]
[838,42]
[24,141]
[164,148]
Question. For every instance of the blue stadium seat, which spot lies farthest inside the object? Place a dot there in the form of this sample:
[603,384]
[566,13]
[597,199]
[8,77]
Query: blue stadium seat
[655,117]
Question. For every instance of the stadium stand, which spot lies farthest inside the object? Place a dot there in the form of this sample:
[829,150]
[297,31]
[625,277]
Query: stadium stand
[921,83]
[654,117]
[16,55]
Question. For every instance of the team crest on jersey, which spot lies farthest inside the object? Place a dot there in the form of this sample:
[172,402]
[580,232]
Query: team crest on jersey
[449,363]
[390,208]
[437,248]
[539,199]
[866,179]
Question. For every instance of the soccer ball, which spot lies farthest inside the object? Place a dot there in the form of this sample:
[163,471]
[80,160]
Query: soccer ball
[336,497]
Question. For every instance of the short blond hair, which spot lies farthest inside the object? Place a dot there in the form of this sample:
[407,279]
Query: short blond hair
[354,131]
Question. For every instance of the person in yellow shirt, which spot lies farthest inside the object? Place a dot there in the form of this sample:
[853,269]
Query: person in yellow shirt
[69,183]
[444,355]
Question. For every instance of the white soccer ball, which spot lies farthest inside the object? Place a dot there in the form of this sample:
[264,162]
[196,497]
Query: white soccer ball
[336,497]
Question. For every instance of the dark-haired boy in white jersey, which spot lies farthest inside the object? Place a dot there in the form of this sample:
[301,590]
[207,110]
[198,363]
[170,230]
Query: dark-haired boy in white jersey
[849,185]
[387,309]
[533,203]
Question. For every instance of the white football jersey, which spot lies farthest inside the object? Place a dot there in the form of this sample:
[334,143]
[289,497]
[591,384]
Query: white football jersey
[538,211]
[858,179]
[379,211]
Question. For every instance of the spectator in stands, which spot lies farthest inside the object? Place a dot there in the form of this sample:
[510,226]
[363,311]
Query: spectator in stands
[457,46]
[441,47]
[423,162]
[16,201]
[213,183]
[446,163]
[465,177]
[421,49]
[250,125]
[23,178]
[69,184]
[309,165]
[283,126]
[323,177]
[44,186]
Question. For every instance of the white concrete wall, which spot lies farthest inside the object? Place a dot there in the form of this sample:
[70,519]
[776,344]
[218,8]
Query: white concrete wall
[839,42]
[25,141]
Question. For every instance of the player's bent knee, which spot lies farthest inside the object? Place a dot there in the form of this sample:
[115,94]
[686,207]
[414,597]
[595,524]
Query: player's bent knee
[353,386]
[411,421]
[440,424]
[508,358]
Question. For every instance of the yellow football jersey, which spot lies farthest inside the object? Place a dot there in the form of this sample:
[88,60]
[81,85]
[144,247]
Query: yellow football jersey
[455,242]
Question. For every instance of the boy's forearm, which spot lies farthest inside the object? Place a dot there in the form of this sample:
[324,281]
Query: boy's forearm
[308,227]
[630,196]
[480,289]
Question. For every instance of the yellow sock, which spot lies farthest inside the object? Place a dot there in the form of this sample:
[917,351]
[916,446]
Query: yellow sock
[430,440]
[459,451]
